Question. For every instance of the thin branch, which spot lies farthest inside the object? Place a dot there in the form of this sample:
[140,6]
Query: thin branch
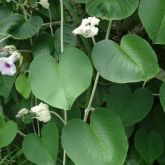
[59,117]
[5,38]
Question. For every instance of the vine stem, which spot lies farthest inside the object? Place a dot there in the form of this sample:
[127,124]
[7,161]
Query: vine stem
[57,115]
[62,49]
[89,108]
[50,23]
[21,133]
[5,38]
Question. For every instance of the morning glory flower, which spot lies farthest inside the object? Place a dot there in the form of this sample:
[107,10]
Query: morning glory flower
[88,27]
[41,112]
[7,67]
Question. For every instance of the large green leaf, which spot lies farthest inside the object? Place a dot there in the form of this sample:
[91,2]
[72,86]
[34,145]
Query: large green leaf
[111,9]
[60,84]
[134,60]
[152,15]
[8,131]
[126,104]
[42,150]
[17,27]
[102,142]
[149,145]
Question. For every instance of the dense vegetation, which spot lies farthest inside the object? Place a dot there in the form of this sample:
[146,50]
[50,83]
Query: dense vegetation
[81,82]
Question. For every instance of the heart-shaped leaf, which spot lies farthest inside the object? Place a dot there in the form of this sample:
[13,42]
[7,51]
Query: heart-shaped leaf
[148,145]
[6,83]
[111,9]
[42,45]
[60,84]
[17,27]
[130,107]
[22,85]
[152,15]
[162,95]
[8,131]
[70,40]
[42,150]
[134,60]
[100,143]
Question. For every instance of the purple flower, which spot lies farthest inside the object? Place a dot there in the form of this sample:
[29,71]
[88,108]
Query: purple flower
[7,67]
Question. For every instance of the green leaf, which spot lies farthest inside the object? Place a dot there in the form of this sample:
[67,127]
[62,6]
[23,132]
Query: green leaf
[42,150]
[134,60]
[6,84]
[100,143]
[22,85]
[4,12]
[42,45]
[152,15]
[80,1]
[162,95]
[18,28]
[133,158]
[148,145]
[60,84]
[8,131]
[111,9]
[70,40]
[131,107]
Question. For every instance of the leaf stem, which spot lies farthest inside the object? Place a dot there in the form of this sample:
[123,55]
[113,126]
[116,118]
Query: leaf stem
[62,49]
[89,108]
[62,25]
[21,133]
[108,30]
[50,23]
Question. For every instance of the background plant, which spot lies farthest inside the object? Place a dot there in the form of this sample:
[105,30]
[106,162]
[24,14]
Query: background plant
[96,97]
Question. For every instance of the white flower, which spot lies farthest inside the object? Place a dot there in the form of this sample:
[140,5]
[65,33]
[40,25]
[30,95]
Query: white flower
[88,27]
[10,48]
[44,3]
[7,67]
[22,112]
[42,112]
[16,56]
[93,21]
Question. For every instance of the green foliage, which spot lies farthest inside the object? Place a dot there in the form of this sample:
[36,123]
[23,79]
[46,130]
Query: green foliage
[6,83]
[134,60]
[152,17]
[149,146]
[126,105]
[45,46]
[103,60]
[8,131]
[111,9]
[42,150]
[17,27]
[162,95]
[61,83]
[22,85]
[104,141]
